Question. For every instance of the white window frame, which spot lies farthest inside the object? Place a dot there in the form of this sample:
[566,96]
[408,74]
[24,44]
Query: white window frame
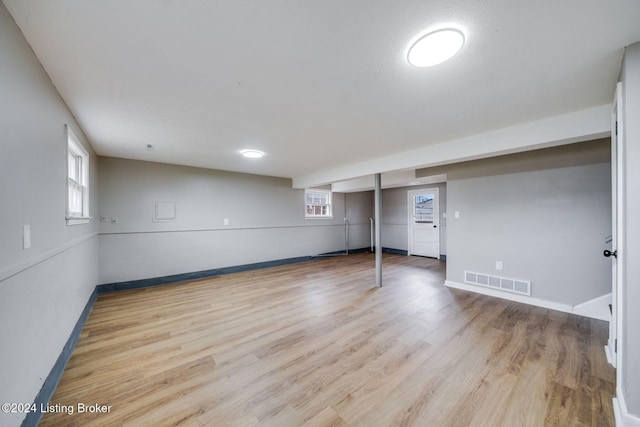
[329,205]
[78,183]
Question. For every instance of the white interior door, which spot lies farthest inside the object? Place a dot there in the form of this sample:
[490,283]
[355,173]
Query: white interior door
[617,236]
[424,222]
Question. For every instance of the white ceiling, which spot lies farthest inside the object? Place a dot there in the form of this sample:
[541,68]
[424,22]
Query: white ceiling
[317,85]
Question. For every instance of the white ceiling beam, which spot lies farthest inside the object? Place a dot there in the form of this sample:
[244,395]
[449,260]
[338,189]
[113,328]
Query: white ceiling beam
[583,125]
[364,183]
[389,180]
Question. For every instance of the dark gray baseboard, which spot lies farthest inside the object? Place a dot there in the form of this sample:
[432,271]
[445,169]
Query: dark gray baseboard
[405,252]
[46,392]
[175,278]
[48,388]
[165,280]
[394,251]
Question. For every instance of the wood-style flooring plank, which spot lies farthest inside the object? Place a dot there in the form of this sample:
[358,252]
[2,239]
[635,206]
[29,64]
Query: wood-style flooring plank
[317,344]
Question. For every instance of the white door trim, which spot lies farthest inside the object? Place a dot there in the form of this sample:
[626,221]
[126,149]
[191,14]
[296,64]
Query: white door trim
[619,231]
[611,347]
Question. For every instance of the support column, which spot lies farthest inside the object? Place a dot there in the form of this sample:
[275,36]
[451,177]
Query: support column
[378,228]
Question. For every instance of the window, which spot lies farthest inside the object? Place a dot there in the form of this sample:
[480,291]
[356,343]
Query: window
[423,208]
[317,203]
[77,181]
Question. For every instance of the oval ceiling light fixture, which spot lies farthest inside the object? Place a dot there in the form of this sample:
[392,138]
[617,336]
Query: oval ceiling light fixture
[252,154]
[436,47]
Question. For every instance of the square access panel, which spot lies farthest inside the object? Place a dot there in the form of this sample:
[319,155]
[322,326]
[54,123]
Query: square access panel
[164,211]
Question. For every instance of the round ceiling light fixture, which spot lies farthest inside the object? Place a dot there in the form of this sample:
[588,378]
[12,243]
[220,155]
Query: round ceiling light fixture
[436,47]
[252,154]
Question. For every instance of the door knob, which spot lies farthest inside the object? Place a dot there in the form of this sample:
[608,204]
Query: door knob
[608,253]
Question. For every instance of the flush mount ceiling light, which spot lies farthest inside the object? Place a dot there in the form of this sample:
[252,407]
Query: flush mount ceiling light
[435,47]
[252,154]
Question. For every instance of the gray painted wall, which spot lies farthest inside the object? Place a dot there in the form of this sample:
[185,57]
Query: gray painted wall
[583,153]
[43,289]
[546,226]
[395,216]
[266,220]
[631,251]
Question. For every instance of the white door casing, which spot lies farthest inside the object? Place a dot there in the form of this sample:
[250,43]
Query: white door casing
[617,235]
[611,344]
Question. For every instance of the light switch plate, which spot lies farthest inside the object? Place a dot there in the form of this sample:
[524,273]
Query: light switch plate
[26,236]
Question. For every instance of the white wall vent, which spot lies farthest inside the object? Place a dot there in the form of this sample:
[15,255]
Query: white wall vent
[515,286]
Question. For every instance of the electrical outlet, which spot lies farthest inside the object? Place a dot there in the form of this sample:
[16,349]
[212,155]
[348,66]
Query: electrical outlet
[499,265]
[225,221]
[114,220]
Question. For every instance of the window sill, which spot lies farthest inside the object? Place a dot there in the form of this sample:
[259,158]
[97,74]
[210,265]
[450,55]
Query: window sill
[78,221]
[318,217]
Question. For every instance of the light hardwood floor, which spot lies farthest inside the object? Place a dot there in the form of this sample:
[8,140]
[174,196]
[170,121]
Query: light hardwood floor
[316,344]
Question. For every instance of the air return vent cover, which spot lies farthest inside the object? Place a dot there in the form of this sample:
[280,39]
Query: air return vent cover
[515,286]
